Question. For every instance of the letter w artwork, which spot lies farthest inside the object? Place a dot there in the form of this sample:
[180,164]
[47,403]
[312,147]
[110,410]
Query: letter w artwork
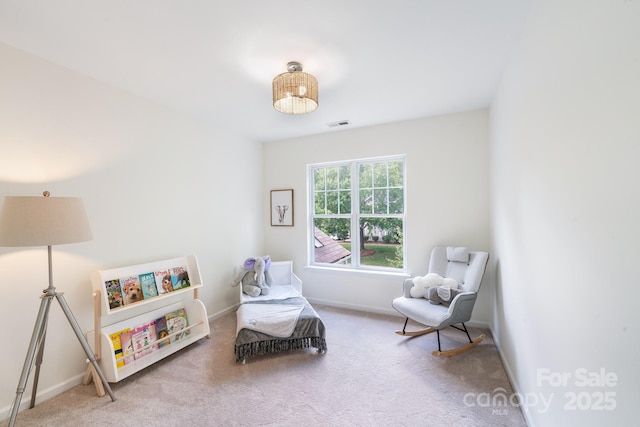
[282,207]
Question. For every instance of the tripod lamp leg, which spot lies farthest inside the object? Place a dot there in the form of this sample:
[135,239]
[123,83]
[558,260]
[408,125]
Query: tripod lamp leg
[38,333]
[85,344]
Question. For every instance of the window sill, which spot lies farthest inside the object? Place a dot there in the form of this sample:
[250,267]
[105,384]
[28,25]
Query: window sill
[357,271]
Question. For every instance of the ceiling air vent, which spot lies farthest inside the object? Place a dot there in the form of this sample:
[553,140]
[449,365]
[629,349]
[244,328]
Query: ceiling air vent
[339,123]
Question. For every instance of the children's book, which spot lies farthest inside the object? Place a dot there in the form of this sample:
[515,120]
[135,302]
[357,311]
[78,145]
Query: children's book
[161,331]
[142,336]
[117,348]
[114,293]
[177,321]
[163,281]
[180,278]
[148,283]
[127,346]
[131,290]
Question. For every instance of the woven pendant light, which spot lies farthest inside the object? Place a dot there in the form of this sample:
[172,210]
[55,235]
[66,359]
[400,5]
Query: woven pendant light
[295,92]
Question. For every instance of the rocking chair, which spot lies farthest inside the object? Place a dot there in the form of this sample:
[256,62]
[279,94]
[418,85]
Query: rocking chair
[467,269]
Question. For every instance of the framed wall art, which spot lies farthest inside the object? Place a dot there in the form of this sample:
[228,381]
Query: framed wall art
[282,207]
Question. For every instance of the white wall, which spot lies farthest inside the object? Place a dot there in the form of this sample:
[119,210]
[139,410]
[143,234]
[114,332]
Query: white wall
[155,185]
[565,206]
[447,199]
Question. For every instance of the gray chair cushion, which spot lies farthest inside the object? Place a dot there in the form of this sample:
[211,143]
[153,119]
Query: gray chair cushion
[457,254]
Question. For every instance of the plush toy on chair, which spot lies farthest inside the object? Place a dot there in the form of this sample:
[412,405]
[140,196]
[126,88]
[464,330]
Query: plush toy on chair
[422,285]
[442,295]
[255,276]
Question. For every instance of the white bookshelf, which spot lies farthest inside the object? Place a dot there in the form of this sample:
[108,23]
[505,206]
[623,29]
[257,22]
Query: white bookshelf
[110,320]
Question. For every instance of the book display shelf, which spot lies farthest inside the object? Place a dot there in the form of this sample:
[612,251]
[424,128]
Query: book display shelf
[156,305]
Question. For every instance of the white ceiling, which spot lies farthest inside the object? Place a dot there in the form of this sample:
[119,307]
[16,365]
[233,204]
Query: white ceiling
[376,61]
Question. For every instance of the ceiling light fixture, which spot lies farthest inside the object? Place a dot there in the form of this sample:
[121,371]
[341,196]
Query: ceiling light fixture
[295,92]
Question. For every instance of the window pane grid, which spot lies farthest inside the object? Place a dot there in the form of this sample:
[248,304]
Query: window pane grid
[332,190]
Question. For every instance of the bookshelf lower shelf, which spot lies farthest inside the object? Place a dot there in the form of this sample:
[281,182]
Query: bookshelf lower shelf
[198,328]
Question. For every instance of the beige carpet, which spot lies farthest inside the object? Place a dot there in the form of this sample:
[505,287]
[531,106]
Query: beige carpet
[369,377]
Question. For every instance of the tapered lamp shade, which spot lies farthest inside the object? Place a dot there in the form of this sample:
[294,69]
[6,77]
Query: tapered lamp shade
[43,221]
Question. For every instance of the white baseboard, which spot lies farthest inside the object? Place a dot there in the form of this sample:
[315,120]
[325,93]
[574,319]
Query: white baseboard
[389,311]
[221,313]
[42,395]
[365,308]
[511,377]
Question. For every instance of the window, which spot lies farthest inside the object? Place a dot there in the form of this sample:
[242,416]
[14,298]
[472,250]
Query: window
[357,213]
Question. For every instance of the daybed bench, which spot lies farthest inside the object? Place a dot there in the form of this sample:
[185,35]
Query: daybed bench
[278,322]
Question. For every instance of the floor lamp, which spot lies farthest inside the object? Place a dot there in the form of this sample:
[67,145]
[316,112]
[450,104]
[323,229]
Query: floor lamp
[45,221]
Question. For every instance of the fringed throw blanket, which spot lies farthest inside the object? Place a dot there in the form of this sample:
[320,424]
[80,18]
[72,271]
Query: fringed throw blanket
[278,320]
[308,330]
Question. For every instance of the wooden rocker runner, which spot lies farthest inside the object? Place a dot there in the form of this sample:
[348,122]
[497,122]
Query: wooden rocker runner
[466,269]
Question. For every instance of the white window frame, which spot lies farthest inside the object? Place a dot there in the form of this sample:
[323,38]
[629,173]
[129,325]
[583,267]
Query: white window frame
[355,214]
